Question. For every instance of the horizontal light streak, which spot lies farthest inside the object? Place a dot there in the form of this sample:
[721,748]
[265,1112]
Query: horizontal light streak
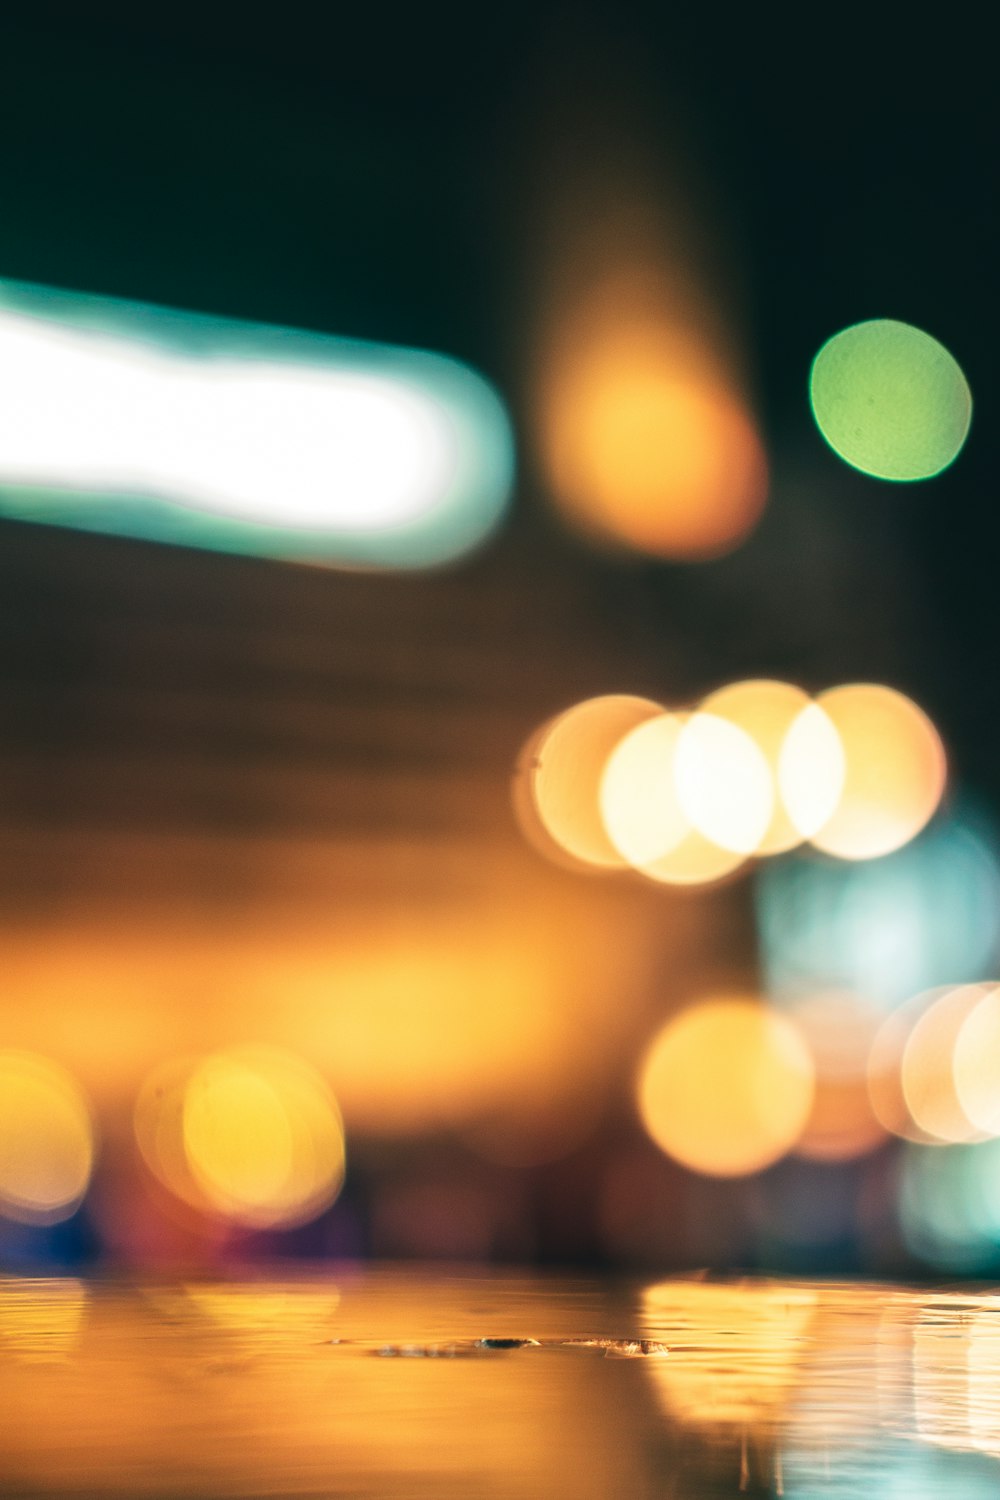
[135,420]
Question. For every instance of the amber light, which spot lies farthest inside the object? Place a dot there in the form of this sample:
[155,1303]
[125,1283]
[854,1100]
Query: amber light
[839,1029]
[895,771]
[800,748]
[726,1087]
[250,1134]
[46,1140]
[647,444]
[558,776]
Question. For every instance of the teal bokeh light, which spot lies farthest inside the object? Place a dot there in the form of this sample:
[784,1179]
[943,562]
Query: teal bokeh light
[887,928]
[176,427]
[949,1206]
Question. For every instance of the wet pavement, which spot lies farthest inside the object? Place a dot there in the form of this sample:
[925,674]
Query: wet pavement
[383,1383]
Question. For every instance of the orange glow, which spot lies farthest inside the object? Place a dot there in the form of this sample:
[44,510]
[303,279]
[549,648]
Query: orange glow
[276,1389]
[726,1087]
[803,765]
[695,861]
[251,1134]
[976,1061]
[900,1077]
[434,1036]
[41,1329]
[645,440]
[742,1348]
[839,1030]
[558,776]
[644,430]
[258,1317]
[46,1140]
[158,1121]
[643,815]
[927,1075]
[478,989]
[885,1061]
[638,793]
[895,771]
[842,1124]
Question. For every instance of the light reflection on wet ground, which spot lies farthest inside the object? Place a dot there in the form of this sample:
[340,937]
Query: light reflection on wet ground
[396,1383]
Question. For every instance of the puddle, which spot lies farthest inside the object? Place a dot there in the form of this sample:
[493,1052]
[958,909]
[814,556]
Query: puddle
[608,1348]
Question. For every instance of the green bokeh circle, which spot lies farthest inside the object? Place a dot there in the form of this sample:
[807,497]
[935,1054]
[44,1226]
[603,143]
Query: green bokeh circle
[890,400]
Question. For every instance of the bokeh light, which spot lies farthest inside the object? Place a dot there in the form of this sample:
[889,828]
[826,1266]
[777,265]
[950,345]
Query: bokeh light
[911,1068]
[643,815]
[251,1134]
[723,783]
[926,915]
[839,1029]
[558,778]
[811,771]
[484,992]
[890,400]
[158,1120]
[949,1206]
[638,793]
[645,429]
[976,1060]
[885,1069]
[646,443]
[46,1140]
[130,419]
[726,1087]
[927,1067]
[768,711]
[843,1124]
[684,797]
[895,771]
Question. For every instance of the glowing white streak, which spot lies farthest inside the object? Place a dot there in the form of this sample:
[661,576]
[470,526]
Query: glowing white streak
[292,445]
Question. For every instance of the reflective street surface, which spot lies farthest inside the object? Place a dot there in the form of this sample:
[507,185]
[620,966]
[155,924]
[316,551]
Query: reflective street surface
[383,1383]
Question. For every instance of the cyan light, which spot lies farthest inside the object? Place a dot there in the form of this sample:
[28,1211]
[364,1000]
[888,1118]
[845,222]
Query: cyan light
[870,1462]
[949,1205]
[927,915]
[240,437]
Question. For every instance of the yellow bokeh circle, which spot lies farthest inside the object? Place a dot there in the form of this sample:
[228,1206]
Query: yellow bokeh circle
[927,1067]
[46,1140]
[557,780]
[726,1087]
[895,771]
[647,445]
[250,1134]
[976,1061]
